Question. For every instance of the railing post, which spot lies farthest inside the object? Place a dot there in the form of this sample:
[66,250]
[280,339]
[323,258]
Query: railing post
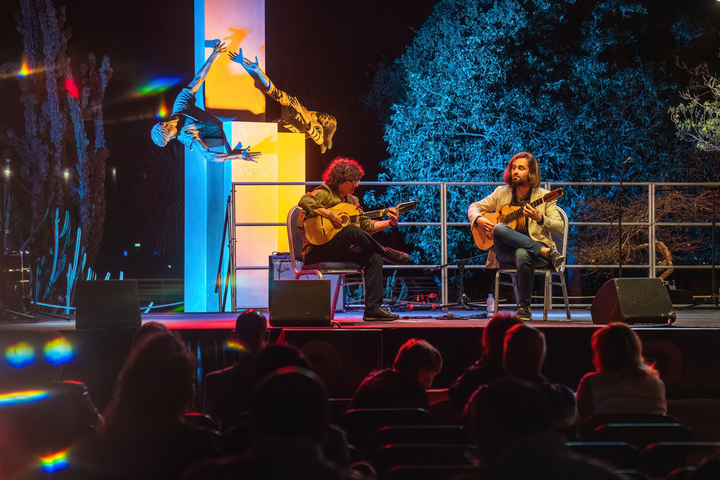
[443,242]
[651,230]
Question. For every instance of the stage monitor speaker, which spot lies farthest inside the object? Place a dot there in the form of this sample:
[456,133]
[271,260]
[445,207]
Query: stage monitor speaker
[342,358]
[281,269]
[300,303]
[107,304]
[632,300]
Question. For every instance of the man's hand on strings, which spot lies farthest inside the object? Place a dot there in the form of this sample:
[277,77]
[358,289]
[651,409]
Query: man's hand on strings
[532,212]
[394,216]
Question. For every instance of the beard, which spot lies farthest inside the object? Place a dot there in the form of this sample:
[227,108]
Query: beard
[518,181]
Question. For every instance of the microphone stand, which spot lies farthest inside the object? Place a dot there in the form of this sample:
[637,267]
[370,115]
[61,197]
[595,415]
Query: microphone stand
[618,214]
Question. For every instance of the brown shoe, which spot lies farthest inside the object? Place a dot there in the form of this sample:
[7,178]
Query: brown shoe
[379,315]
[395,256]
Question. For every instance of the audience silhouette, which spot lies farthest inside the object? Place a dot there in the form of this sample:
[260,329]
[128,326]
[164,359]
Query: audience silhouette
[403,386]
[622,382]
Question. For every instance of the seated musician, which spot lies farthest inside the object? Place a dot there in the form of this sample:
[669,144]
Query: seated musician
[352,243]
[532,245]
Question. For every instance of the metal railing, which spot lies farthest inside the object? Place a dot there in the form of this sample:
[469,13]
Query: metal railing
[652,266]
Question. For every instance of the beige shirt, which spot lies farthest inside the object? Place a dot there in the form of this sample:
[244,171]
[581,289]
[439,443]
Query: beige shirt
[552,223]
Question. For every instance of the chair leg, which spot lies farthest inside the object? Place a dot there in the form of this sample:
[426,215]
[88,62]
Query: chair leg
[497,291]
[513,277]
[565,295]
[547,295]
[338,286]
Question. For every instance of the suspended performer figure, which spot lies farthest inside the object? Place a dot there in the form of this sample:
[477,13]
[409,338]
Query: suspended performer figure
[294,116]
[190,124]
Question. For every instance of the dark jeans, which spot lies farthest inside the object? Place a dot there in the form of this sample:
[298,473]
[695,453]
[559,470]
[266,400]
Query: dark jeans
[352,244]
[518,249]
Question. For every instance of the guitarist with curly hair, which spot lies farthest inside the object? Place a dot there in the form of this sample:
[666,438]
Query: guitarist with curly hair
[350,242]
[519,218]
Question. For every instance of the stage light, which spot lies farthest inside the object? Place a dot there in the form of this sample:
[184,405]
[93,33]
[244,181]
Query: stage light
[66,174]
[137,245]
[124,253]
[169,266]
[7,171]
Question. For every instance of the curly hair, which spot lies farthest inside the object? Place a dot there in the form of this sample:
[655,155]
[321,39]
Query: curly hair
[342,170]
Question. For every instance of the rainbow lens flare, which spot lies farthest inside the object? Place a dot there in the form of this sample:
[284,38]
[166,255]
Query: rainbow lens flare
[233,345]
[58,352]
[158,85]
[163,110]
[20,355]
[27,396]
[56,461]
[24,69]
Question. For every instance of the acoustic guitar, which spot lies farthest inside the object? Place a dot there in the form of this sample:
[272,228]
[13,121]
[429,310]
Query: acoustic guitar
[512,216]
[319,230]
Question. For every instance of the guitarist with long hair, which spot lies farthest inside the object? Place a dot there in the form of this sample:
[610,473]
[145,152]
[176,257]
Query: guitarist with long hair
[352,243]
[529,244]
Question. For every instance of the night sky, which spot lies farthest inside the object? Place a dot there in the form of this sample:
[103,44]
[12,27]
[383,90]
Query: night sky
[322,51]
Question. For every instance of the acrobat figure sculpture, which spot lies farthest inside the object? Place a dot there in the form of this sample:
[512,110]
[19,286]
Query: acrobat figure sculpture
[190,125]
[294,116]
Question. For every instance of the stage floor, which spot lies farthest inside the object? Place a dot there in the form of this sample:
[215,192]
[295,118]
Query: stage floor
[705,316]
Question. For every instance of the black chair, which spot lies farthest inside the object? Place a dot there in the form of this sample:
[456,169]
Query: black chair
[362,423]
[620,455]
[419,434]
[632,475]
[391,456]
[659,459]
[341,269]
[594,421]
[425,472]
[641,435]
[202,420]
[337,407]
[680,473]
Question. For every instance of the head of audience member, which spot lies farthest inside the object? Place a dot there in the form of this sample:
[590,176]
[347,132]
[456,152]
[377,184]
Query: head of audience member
[493,338]
[155,386]
[505,410]
[251,331]
[420,360]
[146,330]
[274,357]
[524,352]
[616,347]
[291,401]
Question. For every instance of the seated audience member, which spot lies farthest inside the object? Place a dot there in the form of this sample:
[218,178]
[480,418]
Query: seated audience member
[228,392]
[511,420]
[622,382]
[708,469]
[523,358]
[274,357]
[489,367]
[147,329]
[291,412]
[415,367]
[144,436]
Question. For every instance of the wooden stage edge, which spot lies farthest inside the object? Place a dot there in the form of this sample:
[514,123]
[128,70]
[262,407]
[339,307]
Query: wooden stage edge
[705,316]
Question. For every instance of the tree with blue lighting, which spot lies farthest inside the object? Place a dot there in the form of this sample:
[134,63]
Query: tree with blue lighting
[567,80]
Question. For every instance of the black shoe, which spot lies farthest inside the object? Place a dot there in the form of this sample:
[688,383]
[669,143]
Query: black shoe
[524,313]
[556,259]
[395,256]
[378,314]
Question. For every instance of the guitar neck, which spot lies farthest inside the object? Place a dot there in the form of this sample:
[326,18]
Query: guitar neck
[518,213]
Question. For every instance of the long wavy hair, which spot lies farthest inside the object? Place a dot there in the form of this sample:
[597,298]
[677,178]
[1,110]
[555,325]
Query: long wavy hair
[616,347]
[533,169]
[342,170]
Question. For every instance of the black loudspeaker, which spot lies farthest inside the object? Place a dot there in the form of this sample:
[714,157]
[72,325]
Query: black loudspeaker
[300,303]
[281,269]
[632,300]
[343,358]
[107,304]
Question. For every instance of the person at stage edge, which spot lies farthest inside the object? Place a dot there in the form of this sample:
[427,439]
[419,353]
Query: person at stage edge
[531,247]
[352,243]
[190,124]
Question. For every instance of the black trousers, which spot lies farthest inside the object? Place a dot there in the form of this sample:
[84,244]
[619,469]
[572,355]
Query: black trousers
[352,244]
